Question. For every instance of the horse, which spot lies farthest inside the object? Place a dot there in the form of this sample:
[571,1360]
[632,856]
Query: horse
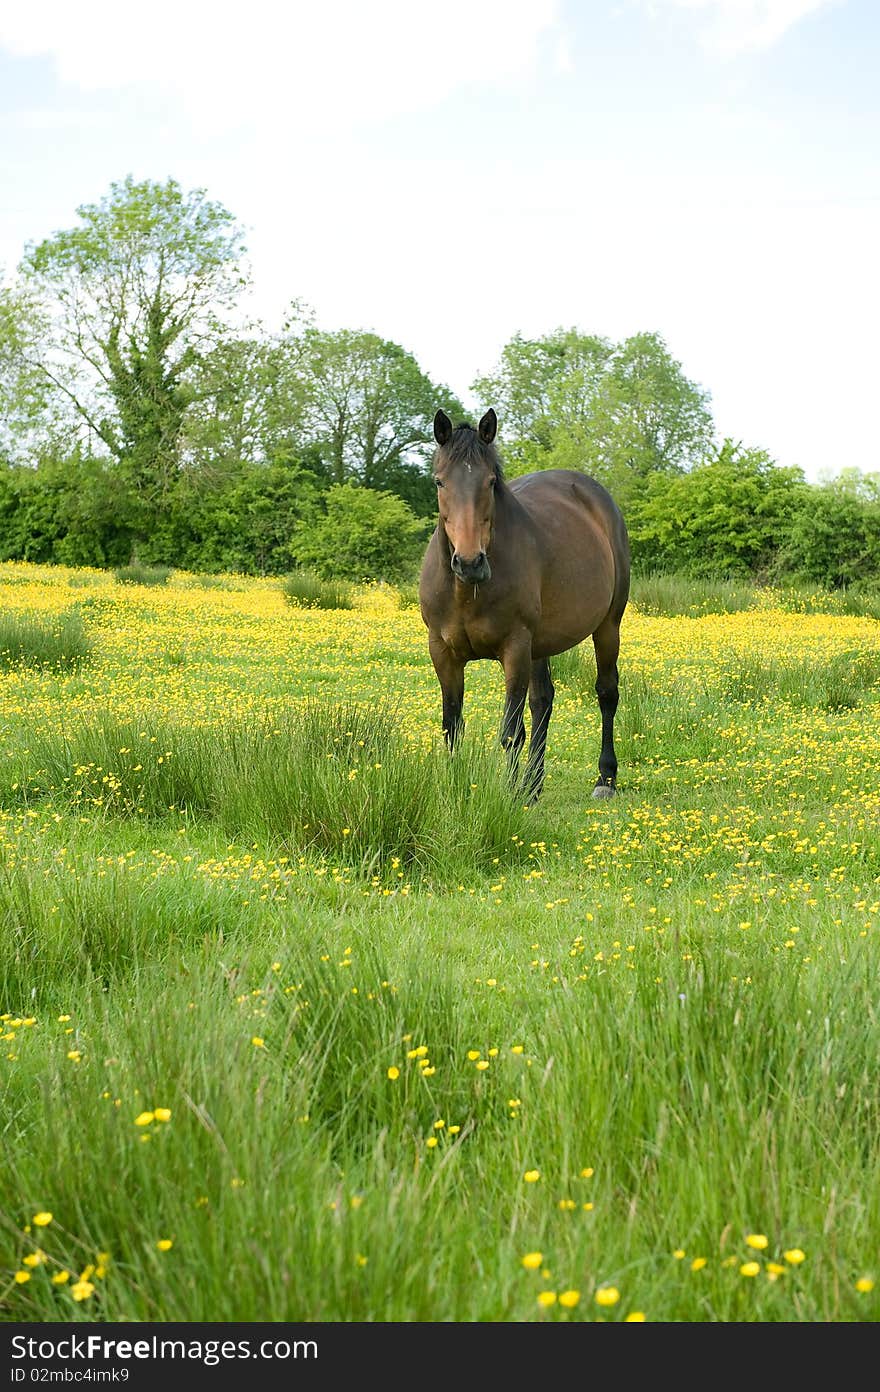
[519,572]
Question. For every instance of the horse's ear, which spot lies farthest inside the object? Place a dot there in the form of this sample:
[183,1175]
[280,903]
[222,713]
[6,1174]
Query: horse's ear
[488,426]
[442,428]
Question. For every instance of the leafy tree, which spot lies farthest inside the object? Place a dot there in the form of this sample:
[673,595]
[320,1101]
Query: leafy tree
[619,412]
[726,517]
[853,483]
[25,409]
[646,417]
[137,292]
[534,380]
[367,404]
[363,534]
[251,408]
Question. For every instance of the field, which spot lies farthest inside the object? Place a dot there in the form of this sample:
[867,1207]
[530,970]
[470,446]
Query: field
[304,1021]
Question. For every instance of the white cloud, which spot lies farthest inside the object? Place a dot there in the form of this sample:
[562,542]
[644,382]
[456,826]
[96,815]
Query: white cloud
[333,63]
[731,27]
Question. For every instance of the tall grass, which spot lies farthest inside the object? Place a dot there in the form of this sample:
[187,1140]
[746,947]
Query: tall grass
[139,574]
[309,591]
[341,781]
[674,595]
[840,682]
[345,1113]
[334,780]
[59,641]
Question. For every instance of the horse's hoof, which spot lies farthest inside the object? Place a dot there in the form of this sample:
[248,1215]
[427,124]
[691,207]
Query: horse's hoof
[604,790]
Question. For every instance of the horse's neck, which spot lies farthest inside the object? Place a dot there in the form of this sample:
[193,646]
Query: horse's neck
[510,515]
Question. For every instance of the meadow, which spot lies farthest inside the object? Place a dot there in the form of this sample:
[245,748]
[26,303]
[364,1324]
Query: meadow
[302,1020]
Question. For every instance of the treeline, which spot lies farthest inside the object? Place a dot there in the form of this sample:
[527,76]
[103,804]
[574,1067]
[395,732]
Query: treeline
[145,418]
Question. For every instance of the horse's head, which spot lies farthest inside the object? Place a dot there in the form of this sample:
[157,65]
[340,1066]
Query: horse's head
[466,471]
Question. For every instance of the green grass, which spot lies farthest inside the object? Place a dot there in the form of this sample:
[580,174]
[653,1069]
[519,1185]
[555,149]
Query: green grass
[59,641]
[673,993]
[335,780]
[310,591]
[674,595]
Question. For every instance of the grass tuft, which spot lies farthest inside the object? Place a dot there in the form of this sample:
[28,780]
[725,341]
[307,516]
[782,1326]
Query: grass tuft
[58,642]
[309,591]
[137,574]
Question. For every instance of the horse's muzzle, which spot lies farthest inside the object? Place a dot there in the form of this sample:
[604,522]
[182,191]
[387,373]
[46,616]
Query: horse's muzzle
[473,572]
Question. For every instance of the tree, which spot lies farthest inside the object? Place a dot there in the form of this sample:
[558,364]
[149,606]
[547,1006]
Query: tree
[368,405]
[617,411]
[251,409]
[647,417]
[137,292]
[362,535]
[25,416]
[533,382]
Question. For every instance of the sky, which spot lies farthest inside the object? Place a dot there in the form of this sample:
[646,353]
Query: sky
[448,175]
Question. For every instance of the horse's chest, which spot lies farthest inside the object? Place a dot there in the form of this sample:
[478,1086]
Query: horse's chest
[470,636]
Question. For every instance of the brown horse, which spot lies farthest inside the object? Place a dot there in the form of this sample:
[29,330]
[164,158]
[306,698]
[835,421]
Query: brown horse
[519,572]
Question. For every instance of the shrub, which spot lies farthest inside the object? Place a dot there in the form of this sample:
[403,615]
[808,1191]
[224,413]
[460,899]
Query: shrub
[365,534]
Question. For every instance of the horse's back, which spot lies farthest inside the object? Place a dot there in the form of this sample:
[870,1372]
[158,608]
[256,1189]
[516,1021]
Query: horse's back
[563,498]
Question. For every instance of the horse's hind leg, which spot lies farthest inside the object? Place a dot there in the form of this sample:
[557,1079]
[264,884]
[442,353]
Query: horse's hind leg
[540,706]
[606,641]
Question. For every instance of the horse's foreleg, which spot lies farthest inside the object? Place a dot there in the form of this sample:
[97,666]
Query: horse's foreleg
[606,641]
[517,662]
[540,706]
[450,674]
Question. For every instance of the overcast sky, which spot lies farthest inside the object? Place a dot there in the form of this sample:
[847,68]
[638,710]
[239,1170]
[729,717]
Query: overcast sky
[447,174]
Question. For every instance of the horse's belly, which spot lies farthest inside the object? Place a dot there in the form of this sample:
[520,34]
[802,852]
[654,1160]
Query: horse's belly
[575,600]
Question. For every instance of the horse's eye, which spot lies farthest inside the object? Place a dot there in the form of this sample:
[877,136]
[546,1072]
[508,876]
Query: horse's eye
[439,482]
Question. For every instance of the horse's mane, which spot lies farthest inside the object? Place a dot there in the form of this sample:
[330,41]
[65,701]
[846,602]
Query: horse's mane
[466,447]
